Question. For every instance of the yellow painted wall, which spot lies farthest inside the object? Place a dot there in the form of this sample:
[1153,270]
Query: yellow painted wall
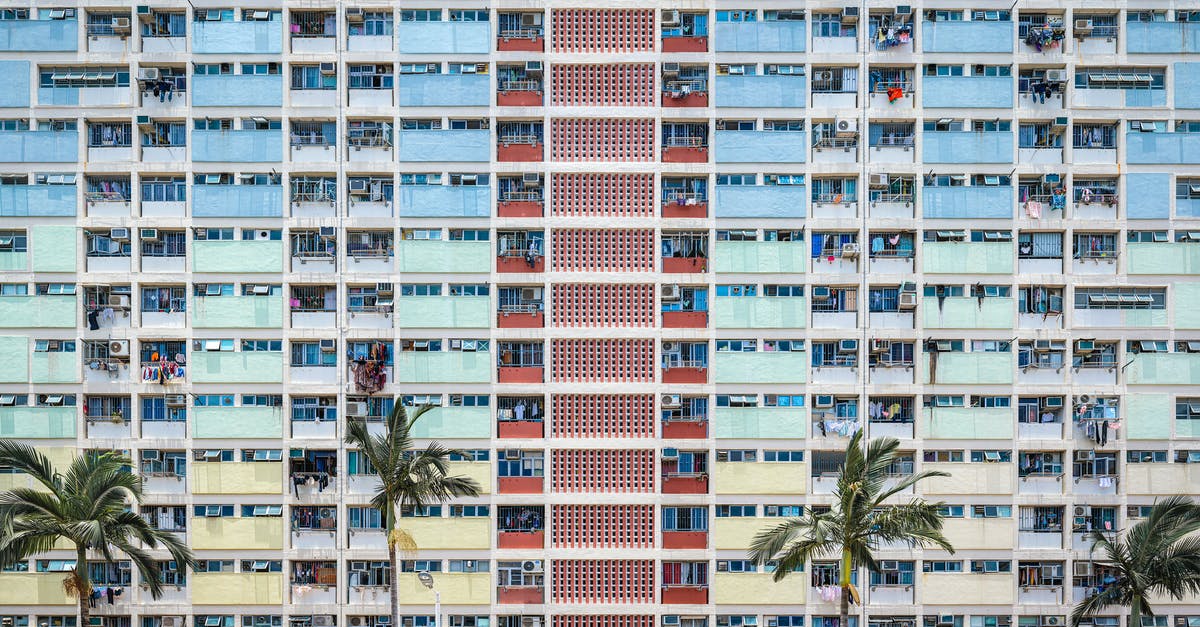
[237,477]
[968,588]
[481,472]
[736,533]
[60,457]
[33,589]
[237,588]
[236,533]
[456,589]
[758,588]
[1163,479]
[448,533]
[980,533]
[991,478]
[761,478]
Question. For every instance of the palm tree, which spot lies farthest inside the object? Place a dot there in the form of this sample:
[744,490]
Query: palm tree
[1158,556]
[87,507]
[409,478]
[858,521]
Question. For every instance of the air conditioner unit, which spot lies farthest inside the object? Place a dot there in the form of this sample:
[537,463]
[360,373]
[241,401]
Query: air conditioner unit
[737,70]
[532,566]
[531,179]
[1056,76]
[322,620]
[120,235]
[877,180]
[670,347]
[357,621]
[1082,568]
[143,121]
[903,9]
[670,69]
[148,234]
[846,127]
[356,408]
[531,621]
[328,346]
[821,292]
[384,288]
[531,20]
[672,400]
[1041,346]
[847,346]
[670,18]
[670,619]
[120,301]
[328,69]
[120,25]
[358,186]
[1085,456]
[946,619]
[880,346]
[327,232]
[262,235]
[670,453]
[1051,179]
[850,14]
[1061,122]
[118,348]
[533,67]
[823,400]
[531,293]
[850,250]
[1052,402]
[1085,346]
[354,14]
[908,300]
[176,400]
[889,565]
[1052,621]
[670,292]
[1083,26]
[1083,399]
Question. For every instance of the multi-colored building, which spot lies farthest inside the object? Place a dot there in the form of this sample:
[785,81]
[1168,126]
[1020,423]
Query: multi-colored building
[654,265]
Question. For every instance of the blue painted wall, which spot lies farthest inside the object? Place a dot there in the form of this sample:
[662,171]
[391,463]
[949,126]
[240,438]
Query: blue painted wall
[237,201]
[237,146]
[760,91]
[967,36]
[14,83]
[1148,195]
[967,92]
[39,146]
[1162,37]
[444,90]
[445,145]
[760,146]
[252,37]
[1187,85]
[760,36]
[39,35]
[761,201]
[37,201]
[967,146]
[444,201]
[977,201]
[237,90]
[444,37]
[1156,148]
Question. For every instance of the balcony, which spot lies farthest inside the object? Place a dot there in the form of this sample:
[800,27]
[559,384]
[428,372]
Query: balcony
[967,92]
[1162,148]
[248,37]
[761,201]
[444,90]
[968,423]
[761,91]
[39,146]
[27,201]
[521,539]
[760,367]
[759,147]
[444,37]
[445,145]
[684,371]
[974,589]
[967,312]
[685,319]
[520,374]
[684,595]
[520,595]
[519,148]
[765,312]
[237,312]
[686,428]
[438,312]
[967,37]
[978,368]
[684,483]
[37,423]
[236,588]
[444,201]
[685,150]
[685,539]
[436,256]
[684,93]
[967,147]
[237,146]
[528,38]
[39,35]
[237,256]
[776,36]
[224,367]
[521,92]
[24,589]
[1162,37]
[521,485]
[761,478]
[41,312]
[787,423]
[521,317]
[237,90]
[444,367]
[237,534]
[520,429]
[237,477]
[967,257]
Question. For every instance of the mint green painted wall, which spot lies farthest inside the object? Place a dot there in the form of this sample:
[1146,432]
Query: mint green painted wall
[1187,314]
[1148,416]
[251,367]
[759,312]
[445,367]
[1163,258]
[14,262]
[237,422]
[14,359]
[760,422]
[760,367]
[439,256]
[237,256]
[37,423]
[42,312]
[752,257]
[54,248]
[965,312]
[54,367]
[454,422]
[967,257]
[225,312]
[968,423]
[1187,428]
[970,368]
[1164,369]
[458,312]
[1147,317]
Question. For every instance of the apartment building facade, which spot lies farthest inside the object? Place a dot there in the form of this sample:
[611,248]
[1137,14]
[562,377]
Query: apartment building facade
[652,265]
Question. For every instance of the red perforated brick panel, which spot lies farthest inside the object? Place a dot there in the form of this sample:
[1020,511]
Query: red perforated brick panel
[603,581]
[614,85]
[602,250]
[602,415]
[603,30]
[629,195]
[626,360]
[603,305]
[574,139]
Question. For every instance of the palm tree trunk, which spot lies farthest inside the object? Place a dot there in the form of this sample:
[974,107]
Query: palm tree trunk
[83,586]
[393,563]
[844,612]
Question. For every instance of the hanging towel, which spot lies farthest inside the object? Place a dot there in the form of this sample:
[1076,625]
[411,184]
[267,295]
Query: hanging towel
[1033,209]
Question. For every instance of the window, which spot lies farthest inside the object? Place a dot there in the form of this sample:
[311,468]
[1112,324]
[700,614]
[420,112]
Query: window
[991,511]
[893,573]
[736,566]
[747,455]
[685,574]
[941,566]
[783,456]
[943,456]
[515,463]
[374,23]
[1120,298]
[736,511]
[991,566]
